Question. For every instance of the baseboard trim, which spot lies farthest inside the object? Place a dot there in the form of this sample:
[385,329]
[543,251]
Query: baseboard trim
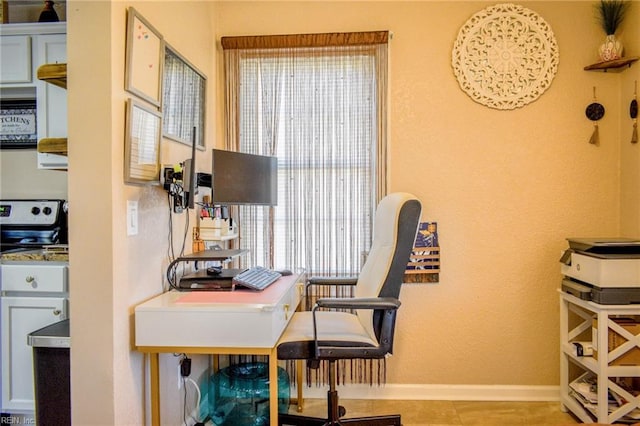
[441,392]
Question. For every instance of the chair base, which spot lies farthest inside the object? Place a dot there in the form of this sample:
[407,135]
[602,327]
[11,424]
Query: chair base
[334,415]
[297,420]
[335,412]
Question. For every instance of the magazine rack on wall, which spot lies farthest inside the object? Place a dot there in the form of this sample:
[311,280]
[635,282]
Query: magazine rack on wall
[424,261]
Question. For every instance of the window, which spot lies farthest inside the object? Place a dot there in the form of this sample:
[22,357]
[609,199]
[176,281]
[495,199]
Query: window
[318,103]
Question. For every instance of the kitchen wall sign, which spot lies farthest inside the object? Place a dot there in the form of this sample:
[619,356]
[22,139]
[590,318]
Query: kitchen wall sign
[18,124]
[505,56]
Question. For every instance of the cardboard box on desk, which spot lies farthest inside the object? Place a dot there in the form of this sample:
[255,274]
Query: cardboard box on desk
[632,325]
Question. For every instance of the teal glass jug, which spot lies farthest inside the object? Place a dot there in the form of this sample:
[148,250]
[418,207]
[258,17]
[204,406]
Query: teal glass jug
[239,394]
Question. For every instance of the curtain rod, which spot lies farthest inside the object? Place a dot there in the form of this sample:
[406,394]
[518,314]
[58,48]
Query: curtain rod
[305,40]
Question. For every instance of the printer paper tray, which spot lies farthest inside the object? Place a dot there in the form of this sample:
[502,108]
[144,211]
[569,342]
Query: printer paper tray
[615,296]
[602,296]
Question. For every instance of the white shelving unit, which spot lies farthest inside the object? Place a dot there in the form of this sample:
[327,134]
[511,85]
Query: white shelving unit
[24,48]
[218,242]
[576,321]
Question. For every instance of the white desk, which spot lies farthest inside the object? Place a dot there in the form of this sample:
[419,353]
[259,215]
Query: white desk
[204,322]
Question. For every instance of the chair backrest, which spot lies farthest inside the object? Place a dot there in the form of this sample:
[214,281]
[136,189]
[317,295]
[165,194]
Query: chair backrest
[394,232]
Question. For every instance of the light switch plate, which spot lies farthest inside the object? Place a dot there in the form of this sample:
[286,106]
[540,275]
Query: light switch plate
[132,217]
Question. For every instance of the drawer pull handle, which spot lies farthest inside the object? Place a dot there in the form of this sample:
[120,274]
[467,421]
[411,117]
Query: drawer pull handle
[286,311]
[57,312]
[30,279]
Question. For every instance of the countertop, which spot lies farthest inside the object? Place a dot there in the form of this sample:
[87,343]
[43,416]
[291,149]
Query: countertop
[36,255]
[55,335]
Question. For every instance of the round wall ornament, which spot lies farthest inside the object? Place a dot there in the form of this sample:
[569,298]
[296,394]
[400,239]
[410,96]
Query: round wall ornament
[505,56]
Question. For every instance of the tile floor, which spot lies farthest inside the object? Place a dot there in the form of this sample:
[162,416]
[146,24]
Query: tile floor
[441,413]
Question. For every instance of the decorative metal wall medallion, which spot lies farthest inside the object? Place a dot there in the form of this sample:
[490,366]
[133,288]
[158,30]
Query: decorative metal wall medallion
[505,56]
[594,112]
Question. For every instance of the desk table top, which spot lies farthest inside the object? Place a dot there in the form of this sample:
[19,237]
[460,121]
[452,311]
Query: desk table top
[239,298]
[218,319]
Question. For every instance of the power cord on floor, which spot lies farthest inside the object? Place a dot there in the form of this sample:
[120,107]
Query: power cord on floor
[185,371]
[197,388]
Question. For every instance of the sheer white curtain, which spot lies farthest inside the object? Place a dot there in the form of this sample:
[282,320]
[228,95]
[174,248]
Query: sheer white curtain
[318,103]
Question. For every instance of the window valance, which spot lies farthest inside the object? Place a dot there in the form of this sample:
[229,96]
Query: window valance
[305,40]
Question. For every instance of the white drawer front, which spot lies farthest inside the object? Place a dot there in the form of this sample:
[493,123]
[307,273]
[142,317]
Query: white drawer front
[34,278]
[285,309]
[289,305]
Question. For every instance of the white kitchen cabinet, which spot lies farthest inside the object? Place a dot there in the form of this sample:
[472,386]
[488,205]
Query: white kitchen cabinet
[15,59]
[21,316]
[24,48]
[33,294]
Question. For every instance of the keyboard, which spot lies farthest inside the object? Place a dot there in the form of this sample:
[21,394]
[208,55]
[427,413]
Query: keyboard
[256,278]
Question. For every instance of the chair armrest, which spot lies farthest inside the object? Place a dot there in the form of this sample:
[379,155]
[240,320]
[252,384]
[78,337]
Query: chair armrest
[329,281]
[332,281]
[386,303]
[389,307]
[318,287]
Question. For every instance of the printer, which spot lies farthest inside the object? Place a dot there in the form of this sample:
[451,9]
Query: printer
[603,270]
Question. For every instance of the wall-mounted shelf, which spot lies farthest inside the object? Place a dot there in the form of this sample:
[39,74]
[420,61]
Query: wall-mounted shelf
[53,146]
[617,65]
[55,74]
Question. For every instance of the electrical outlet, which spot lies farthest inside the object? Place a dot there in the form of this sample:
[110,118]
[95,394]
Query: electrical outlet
[167,177]
[178,203]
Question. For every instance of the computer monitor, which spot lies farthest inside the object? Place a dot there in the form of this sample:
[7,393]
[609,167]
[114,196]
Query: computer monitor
[241,178]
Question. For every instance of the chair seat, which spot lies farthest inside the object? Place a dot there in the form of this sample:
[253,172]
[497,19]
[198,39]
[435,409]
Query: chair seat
[334,329]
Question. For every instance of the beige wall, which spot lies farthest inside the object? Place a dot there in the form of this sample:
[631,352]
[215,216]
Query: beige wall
[21,179]
[506,187]
[630,153]
[111,271]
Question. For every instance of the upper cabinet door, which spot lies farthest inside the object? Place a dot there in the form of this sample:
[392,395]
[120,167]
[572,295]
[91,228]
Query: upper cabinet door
[15,59]
[52,100]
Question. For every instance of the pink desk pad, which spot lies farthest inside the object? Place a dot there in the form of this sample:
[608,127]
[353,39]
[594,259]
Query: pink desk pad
[271,294]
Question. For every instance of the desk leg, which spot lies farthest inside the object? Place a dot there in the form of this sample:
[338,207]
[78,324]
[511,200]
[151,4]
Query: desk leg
[273,387]
[299,380]
[155,389]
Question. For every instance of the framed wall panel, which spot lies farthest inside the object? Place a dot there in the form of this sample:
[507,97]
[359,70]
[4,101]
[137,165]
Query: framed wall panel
[183,105]
[142,144]
[145,54]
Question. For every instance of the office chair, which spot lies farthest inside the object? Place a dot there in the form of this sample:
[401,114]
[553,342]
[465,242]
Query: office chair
[367,332]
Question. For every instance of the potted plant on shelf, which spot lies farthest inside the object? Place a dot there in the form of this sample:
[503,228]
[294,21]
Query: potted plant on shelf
[611,13]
